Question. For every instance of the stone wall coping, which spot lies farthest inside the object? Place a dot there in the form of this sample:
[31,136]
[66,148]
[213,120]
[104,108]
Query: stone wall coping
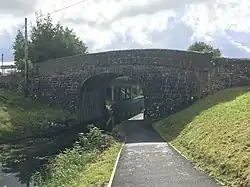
[117,52]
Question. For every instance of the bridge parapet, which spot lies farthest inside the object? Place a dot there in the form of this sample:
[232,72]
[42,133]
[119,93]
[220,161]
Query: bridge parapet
[170,79]
[136,58]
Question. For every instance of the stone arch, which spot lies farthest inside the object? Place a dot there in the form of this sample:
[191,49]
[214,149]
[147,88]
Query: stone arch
[169,77]
[90,102]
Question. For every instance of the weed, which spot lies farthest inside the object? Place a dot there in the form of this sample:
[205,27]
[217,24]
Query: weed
[70,166]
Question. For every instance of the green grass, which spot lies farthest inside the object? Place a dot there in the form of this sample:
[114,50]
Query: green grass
[21,117]
[99,172]
[215,133]
[89,163]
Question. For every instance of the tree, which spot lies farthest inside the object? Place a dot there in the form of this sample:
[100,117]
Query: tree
[47,41]
[18,47]
[203,47]
[19,56]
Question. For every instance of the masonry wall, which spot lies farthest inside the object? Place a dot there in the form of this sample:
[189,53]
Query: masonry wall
[144,57]
[230,72]
[11,82]
[170,79]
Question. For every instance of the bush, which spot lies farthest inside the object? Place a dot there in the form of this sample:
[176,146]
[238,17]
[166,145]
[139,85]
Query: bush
[66,166]
[94,139]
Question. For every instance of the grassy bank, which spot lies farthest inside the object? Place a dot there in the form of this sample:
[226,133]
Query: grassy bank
[52,160]
[98,173]
[215,133]
[89,163]
[22,117]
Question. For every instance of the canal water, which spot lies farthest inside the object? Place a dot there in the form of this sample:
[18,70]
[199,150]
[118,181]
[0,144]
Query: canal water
[9,180]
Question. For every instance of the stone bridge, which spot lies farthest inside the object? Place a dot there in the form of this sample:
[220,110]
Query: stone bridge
[170,79]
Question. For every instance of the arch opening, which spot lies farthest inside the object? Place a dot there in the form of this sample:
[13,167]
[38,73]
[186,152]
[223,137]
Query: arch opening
[108,99]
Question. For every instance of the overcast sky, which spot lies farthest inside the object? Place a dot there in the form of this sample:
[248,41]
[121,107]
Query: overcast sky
[123,24]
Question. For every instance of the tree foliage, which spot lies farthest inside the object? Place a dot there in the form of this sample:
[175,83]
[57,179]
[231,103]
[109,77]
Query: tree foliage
[47,41]
[18,47]
[203,47]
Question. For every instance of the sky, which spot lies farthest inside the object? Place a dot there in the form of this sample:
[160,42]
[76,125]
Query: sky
[127,24]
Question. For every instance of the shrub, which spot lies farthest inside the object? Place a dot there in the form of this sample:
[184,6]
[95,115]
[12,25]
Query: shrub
[65,167]
[94,139]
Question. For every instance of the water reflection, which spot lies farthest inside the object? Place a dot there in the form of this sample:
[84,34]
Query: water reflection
[21,159]
[9,180]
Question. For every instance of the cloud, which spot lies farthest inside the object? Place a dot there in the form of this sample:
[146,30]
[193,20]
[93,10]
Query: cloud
[17,7]
[139,28]
[6,40]
[176,35]
[239,39]
[111,11]
[211,20]
[149,7]
[123,24]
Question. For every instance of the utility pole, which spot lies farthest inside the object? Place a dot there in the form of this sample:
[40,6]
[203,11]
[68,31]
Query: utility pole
[2,63]
[26,61]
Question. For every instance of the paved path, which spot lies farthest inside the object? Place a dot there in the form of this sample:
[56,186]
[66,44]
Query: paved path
[148,161]
[9,180]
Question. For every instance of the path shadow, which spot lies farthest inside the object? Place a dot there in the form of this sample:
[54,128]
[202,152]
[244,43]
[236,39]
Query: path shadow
[140,131]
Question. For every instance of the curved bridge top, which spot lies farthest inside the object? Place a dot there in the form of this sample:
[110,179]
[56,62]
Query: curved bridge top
[170,79]
[134,57]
